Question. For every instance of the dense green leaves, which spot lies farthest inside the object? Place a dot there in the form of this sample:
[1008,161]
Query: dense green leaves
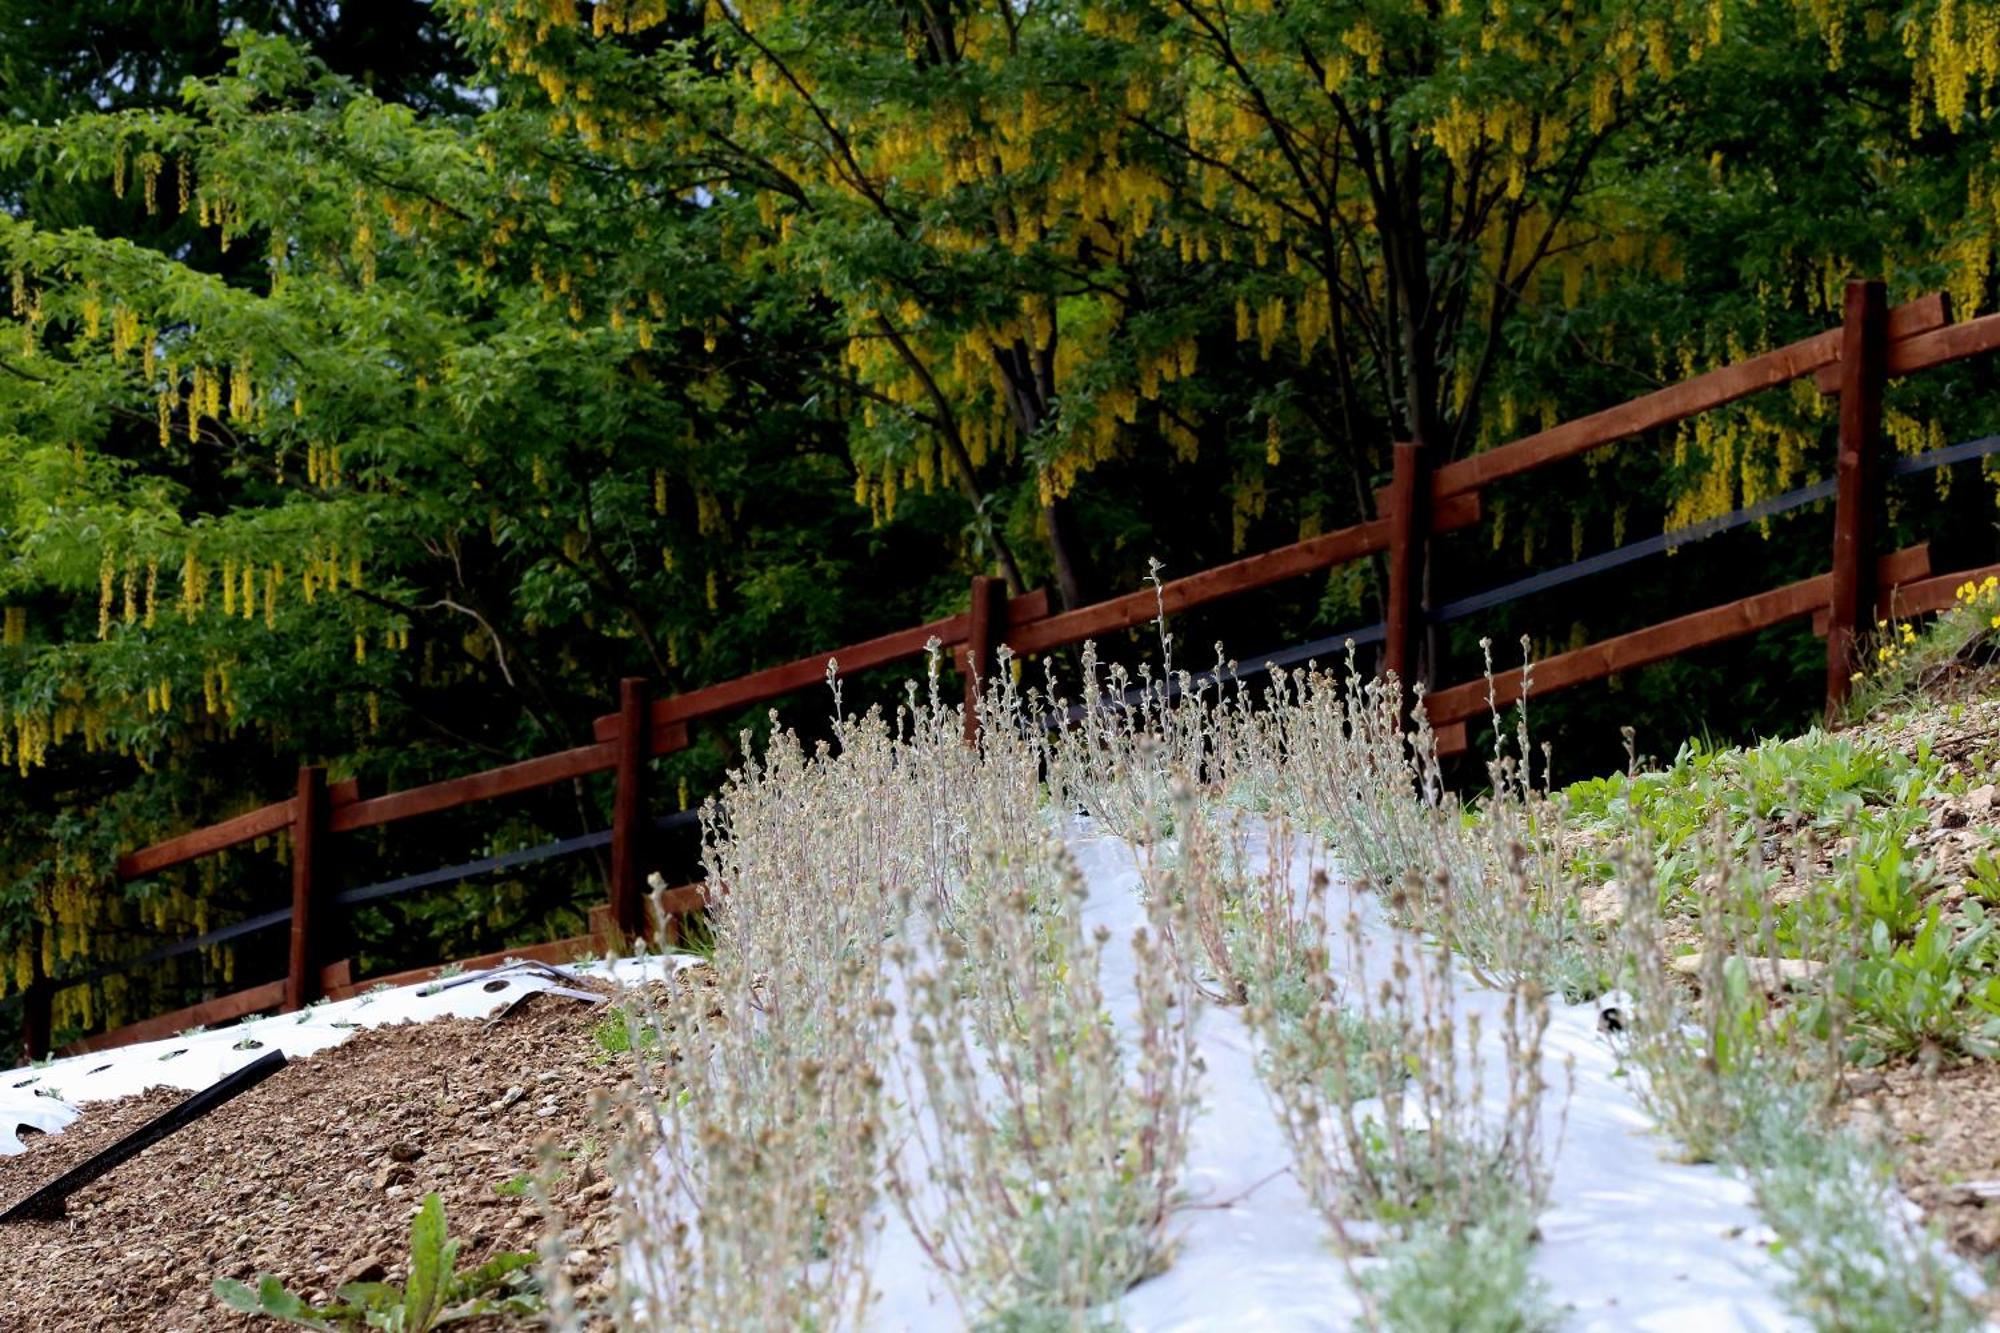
[383,411]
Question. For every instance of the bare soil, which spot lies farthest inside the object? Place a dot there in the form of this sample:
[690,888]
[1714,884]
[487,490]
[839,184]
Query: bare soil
[315,1174]
[1944,1124]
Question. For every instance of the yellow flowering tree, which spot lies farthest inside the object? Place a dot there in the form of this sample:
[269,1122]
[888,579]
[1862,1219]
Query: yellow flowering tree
[682,337]
[398,469]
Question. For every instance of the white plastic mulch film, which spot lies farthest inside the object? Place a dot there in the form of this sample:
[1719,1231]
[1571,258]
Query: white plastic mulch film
[1631,1238]
[48,1097]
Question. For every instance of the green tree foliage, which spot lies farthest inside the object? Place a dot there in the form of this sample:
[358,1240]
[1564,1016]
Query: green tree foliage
[380,402]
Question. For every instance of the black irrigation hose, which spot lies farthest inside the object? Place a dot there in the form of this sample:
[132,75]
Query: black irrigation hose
[47,1204]
[1667,541]
[526,856]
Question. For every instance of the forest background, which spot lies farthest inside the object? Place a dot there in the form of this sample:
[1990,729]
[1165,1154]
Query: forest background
[380,383]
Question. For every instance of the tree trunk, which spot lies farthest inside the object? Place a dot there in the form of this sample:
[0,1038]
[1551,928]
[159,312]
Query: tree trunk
[1067,585]
[1028,395]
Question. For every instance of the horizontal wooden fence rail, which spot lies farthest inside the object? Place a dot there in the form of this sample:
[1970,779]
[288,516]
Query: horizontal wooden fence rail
[808,672]
[1422,502]
[1225,581]
[1677,402]
[1656,643]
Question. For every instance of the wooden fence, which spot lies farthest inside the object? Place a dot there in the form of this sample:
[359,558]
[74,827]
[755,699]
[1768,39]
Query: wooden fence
[1874,344]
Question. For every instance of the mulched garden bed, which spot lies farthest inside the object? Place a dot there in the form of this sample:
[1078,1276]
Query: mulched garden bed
[315,1174]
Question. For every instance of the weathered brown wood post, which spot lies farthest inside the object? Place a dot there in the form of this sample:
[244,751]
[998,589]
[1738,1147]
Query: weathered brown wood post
[309,810]
[628,808]
[1408,503]
[985,622]
[1864,351]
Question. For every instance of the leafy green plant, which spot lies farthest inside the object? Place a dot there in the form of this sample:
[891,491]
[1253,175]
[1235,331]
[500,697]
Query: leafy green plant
[1819,781]
[1939,987]
[1478,1280]
[1888,892]
[435,1295]
[1983,882]
[614,1032]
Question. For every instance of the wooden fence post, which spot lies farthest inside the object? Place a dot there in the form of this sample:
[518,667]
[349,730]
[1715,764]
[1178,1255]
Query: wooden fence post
[988,614]
[1864,350]
[308,826]
[628,808]
[1409,535]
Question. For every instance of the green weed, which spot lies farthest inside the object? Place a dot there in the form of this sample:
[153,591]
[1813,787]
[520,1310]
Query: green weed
[1983,882]
[1475,1280]
[1939,988]
[614,1032]
[435,1295]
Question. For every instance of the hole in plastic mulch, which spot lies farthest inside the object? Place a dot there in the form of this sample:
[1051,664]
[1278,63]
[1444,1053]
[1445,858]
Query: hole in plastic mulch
[99,1070]
[498,983]
[249,1044]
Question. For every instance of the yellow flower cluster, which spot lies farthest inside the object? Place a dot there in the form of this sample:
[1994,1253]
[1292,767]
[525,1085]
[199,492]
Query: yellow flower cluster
[1955,54]
[1979,601]
[1983,595]
[323,465]
[78,918]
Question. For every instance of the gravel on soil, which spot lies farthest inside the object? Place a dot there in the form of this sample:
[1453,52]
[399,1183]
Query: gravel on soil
[1942,1123]
[315,1174]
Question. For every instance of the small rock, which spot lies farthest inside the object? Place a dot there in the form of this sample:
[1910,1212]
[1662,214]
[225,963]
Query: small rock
[404,1152]
[368,1270]
[392,1175]
[1980,799]
[1865,1082]
[1773,975]
[1603,905]
[508,1098]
